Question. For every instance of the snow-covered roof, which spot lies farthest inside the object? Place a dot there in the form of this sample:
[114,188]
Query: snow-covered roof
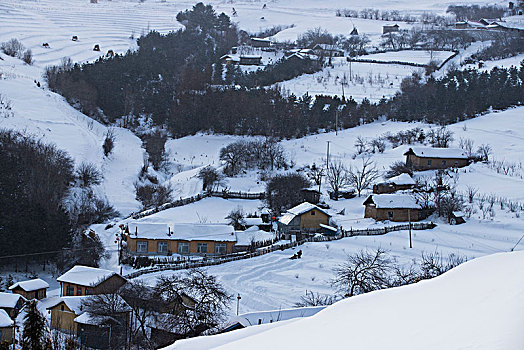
[304,208]
[253,221]
[9,300]
[330,228]
[204,232]
[430,152]
[244,238]
[148,230]
[261,39]
[263,317]
[89,318]
[86,276]
[74,303]
[234,58]
[327,47]
[299,210]
[251,56]
[30,285]
[393,201]
[5,320]
[402,179]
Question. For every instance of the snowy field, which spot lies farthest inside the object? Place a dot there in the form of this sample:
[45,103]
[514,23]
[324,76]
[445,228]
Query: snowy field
[475,306]
[358,80]
[409,56]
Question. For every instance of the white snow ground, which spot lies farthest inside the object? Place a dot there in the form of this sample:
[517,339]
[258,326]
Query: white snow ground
[474,306]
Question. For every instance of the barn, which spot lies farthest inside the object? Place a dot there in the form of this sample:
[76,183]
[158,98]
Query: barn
[427,158]
[392,207]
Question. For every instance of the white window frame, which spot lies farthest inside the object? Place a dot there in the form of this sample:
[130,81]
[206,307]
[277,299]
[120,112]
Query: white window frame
[163,244]
[183,248]
[140,246]
[200,246]
[220,248]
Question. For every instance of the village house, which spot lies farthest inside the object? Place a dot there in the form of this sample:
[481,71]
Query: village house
[85,280]
[6,328]
[327,50]
[11,303]
[427,158]
[69,315]
[390,28]
[304,218]
[31,289]
[260,42]
[250,60]
[186,239]
[392,207]
[265,317]
[394,184]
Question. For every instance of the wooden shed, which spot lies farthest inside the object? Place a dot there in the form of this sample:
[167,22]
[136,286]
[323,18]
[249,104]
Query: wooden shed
[85,280]
[392,207]
[426,158]
[6,328]
[304,218]
[31,289]
[260,42]
[397,183]
[11,303]
[390,28]
[186,239]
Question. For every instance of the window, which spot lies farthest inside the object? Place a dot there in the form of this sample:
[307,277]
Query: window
[443,162]
[313,212]
[429,161]
[141,247]
[70,291]
[220,248]
[456,163]
[390,215]
[62,308]
[88,291]
[183,248]
[162,247]
[79,291]
[201,247]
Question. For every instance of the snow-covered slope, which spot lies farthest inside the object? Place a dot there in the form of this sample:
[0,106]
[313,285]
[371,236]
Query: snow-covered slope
[474,306]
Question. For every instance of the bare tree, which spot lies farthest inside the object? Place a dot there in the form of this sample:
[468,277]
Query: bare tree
[360,145]
[109,142]
[208,297]
[484,152]
[467,146]
[316,173]
[337,177]
[471,193]
[363,272]
[236,218]
[315,299]
[88,175]
[363,176]
[441,137]
[210,178]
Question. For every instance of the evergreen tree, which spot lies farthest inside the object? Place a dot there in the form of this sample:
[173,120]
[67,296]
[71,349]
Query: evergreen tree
[34,328]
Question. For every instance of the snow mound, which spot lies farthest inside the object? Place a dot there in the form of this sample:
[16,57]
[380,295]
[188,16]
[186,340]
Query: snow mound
[474,306]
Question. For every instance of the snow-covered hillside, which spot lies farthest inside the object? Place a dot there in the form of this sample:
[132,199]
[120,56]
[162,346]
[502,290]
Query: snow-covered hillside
[474,306]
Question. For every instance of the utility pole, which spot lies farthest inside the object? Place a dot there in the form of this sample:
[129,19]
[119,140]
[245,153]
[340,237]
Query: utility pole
[327,156]
[336,115]
[409,219]
[238,302]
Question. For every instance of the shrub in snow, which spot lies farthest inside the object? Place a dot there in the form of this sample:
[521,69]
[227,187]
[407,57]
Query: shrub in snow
[13,48]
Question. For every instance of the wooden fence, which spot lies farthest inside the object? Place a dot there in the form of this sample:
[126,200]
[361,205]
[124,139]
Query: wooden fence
[238,195]
[184,265]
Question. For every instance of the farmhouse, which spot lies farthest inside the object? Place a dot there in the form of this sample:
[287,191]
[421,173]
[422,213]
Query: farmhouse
[260,42]
[11,303]
[184,239]
[390,28]
[392,207]
[85,280]
[230,59]
[68,315]
[304,218]
[397,183]
[250,60]
[426,158]
[264,317]
[31,289]
[6,328]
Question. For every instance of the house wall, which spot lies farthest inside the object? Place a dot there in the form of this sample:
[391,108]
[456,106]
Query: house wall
[63,320]
[436,163]
[6,334]
[109,285]
[312,219]
[172,245]
[37,294]
[399,215]
[258,43]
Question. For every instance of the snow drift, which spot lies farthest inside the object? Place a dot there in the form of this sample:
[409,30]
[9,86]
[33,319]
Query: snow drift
[477,305]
